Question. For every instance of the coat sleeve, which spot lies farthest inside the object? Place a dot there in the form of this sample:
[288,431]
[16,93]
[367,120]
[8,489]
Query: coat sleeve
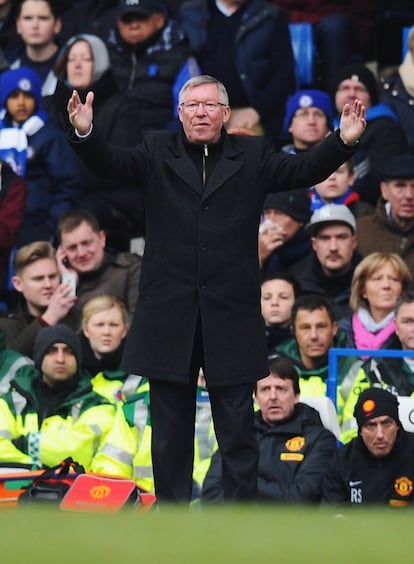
[11,452]
[79,438]
[134,274]
[12,206]
[283,171]
[127,164]
[334,487]
[306,483]
[19,336]
[116,451]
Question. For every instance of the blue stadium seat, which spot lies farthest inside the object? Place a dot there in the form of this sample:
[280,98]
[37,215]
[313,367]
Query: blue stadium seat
[404,39]
[304,52]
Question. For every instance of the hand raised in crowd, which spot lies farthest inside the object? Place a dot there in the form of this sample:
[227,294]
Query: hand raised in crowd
[81,115]
[353,122]
[60,304]
[270,239]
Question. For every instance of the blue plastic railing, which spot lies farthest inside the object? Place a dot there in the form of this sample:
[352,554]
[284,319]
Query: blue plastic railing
[334,353]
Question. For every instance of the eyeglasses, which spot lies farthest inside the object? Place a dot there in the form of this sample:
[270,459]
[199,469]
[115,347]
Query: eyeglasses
[210,107]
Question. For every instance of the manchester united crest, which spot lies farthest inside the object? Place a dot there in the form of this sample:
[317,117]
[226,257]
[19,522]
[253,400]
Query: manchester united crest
[403,486]
[295,444]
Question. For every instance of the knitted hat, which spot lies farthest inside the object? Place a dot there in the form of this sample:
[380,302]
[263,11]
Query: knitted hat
[358,71]
[24,79]
[309,99]
[331,213]
[139,7]
[48,336]
[398,167]
[101,62]
[375,402]
[295,203]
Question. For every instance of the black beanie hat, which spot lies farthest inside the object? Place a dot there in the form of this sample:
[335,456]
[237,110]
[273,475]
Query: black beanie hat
[358,71]
[295,203]
[48,336]
[375,402]
[398,167]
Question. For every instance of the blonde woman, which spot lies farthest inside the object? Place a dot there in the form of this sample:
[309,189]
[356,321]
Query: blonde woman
[104,328]
[377,283]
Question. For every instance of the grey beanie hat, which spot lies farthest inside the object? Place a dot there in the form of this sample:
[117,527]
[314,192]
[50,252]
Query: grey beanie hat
[48,336]
[101,61]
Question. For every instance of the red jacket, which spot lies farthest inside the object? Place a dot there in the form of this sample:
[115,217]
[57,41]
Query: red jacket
[12,205]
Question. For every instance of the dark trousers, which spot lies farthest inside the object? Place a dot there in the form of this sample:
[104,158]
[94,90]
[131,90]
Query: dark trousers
[173,421]
[173,408]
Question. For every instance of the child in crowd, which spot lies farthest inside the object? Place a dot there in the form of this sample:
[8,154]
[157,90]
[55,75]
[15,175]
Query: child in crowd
[41,154]
[278,294]
[337,189]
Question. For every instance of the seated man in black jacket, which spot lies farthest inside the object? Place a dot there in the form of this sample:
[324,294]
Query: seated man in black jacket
[294,445]
[377,467]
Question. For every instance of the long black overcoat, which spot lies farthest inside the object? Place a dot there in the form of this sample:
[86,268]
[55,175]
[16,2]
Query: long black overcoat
[201,251]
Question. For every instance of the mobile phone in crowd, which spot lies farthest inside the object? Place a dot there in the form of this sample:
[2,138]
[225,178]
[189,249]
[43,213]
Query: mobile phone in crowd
[71,279]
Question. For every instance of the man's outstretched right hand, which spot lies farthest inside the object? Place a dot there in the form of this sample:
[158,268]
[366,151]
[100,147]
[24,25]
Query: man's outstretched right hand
[81,115]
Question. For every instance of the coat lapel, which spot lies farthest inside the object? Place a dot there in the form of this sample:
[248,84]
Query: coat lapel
[183,166]
[228,165]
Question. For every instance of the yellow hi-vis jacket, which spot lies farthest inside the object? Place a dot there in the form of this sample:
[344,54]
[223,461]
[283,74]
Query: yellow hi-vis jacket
[76,427]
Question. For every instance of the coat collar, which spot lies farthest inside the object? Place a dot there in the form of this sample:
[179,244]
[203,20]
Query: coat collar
[228,165]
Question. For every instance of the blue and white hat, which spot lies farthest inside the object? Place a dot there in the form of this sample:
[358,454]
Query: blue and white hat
[24,79]
[309,99]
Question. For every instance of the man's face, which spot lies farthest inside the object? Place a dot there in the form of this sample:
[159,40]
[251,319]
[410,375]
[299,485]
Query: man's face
[400,195]
[134,28]
[308,126]
[336,184]
[348,91]
[38,282]
[334,246]
[379,435]
[315,333]
[105,330]
[36,23]
[84,248]
[277,298]
[80,65]
[20,106]
[203,123]
[276,398]
[287,226]
[58,365]
[405,325]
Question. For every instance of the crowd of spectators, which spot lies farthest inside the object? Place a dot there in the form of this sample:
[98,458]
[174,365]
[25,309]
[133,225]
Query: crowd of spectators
[336,258]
